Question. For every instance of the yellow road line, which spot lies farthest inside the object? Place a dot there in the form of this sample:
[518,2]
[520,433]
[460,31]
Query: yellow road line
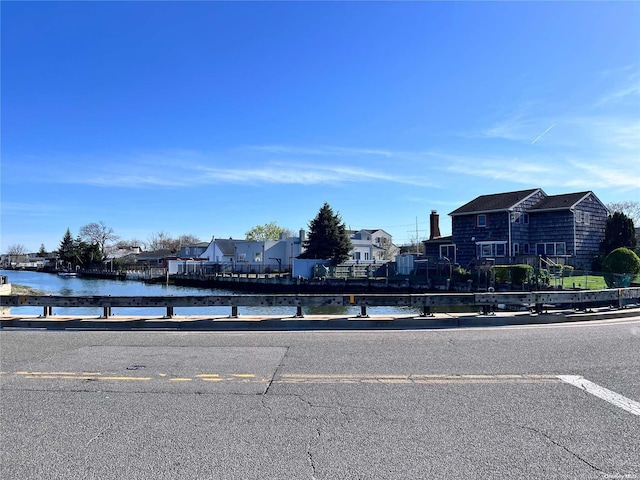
[307,378]
[415,378]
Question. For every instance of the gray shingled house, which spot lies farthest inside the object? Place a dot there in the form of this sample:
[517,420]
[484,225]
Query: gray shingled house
[522,226]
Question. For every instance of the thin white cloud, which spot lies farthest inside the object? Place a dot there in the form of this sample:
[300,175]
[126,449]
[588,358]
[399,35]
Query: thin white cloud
[29,209]
[308,174]
[186,169]
[626,90]
[325,151]
[566,172]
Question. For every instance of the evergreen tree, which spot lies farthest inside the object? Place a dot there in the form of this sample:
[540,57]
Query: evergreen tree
[87,253]
[327,238]
[67,249]
[619,232]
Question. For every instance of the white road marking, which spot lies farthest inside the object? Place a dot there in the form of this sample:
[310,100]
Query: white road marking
[605,394]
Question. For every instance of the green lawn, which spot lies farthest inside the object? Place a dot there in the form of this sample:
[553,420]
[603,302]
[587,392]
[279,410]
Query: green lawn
[591,282]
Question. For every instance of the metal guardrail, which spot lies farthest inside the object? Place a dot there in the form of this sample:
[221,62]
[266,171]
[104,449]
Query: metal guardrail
[487,301]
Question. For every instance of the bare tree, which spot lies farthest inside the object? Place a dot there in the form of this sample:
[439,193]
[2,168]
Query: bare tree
[98,233]
[188,239]
[16,249]
[163,241]
[630,208]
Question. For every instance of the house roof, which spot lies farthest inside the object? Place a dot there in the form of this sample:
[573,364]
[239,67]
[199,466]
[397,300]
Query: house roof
[156,254]
[495,203]
[226,246]
[197,245]
[439,240]
[559,202]
[370,231]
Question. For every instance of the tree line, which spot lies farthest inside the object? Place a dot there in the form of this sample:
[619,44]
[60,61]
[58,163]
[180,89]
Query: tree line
[327,238]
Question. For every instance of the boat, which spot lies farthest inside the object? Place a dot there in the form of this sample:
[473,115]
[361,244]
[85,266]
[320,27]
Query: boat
[67,274]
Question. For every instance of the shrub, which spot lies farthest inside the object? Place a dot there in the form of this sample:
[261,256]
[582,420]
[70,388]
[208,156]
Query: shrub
[567,271]
[500,273]
[460,274]
[520,274]
[620,266]
[516,274]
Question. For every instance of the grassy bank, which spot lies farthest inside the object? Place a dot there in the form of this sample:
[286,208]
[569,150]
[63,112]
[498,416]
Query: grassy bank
[24,290]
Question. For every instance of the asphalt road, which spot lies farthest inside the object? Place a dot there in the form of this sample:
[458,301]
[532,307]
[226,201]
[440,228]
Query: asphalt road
[492,402]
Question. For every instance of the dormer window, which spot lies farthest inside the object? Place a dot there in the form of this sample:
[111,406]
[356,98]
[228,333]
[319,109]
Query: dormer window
[481,220]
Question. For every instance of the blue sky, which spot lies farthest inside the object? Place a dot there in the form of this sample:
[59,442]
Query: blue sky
[209,118]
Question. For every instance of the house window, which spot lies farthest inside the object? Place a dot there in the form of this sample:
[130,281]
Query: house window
[491,249]
[525,247]
[551,248]
[257,257]
[516,248]
[448,251]
[582,217]
[481,220]
[520,217]
[366,255]
[357,256]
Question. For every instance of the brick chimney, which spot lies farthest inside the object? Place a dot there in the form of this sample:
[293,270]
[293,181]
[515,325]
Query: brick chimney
[434,225]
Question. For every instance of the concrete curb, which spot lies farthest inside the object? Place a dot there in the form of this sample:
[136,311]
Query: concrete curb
[312,322]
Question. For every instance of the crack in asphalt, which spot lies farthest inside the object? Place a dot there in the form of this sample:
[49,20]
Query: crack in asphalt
[310,459]
[276,371]
[101,433]
[557,444]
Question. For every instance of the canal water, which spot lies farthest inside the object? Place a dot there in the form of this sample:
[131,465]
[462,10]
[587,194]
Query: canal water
[53,284]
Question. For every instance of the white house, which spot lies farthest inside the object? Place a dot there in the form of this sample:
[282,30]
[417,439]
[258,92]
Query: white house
[242,256]
[370,245]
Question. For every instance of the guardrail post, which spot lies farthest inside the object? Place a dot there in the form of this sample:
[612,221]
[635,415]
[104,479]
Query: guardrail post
[106,311]
[426,311]
[298,312]
[363,312]
[47,311]
[5,289]
[234,311]
[169,312]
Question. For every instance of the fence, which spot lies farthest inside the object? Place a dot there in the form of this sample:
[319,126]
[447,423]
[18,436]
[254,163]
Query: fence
[536,301]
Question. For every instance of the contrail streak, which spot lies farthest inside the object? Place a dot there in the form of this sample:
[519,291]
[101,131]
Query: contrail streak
[543,134]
